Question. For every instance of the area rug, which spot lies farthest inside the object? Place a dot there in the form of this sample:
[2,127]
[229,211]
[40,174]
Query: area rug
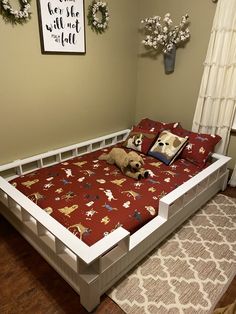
[190,271]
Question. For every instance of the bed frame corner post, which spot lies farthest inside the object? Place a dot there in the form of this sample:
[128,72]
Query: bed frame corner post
[89,284]
[225,182]
[89,293]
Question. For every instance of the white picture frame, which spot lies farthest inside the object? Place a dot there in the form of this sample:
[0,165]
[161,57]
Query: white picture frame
[62,26]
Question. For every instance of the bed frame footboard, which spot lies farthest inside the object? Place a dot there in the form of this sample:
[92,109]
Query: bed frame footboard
[91,271]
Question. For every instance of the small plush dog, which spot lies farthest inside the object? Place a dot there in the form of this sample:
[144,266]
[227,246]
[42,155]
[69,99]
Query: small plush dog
[129,163]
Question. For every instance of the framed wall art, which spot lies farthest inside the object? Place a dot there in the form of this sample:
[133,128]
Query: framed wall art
[62,27]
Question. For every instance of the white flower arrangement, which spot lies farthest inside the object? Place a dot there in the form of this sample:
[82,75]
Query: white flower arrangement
[98,24]
[165,35]
[14,16]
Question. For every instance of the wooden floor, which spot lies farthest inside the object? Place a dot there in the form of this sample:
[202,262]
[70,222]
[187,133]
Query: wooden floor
[29,285]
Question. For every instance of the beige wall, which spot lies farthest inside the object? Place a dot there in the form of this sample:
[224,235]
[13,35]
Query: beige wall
[173,97]
[49,101]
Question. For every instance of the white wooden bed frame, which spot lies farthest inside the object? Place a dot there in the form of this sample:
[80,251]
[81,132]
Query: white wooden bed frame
[91,271]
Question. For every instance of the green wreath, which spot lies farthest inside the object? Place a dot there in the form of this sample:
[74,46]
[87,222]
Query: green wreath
[14,16]
[98,23]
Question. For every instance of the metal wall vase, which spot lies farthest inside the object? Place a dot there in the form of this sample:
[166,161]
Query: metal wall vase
[169,61]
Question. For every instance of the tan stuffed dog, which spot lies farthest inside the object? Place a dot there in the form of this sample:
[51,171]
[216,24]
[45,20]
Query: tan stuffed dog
[129,163]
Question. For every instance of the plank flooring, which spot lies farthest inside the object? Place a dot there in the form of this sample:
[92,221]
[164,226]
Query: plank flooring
[29,285]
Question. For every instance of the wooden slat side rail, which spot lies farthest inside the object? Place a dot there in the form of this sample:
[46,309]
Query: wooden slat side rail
[192,187]
[19,167]
[87,254]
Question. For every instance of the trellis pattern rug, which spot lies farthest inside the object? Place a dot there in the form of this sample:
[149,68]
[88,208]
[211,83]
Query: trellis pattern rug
[190,271]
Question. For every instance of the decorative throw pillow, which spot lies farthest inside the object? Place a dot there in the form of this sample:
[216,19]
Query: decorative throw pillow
[199,147]
[155,126]
[167,147]
[140,140]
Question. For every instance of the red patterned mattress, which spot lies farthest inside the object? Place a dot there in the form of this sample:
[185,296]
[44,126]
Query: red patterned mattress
[92,198]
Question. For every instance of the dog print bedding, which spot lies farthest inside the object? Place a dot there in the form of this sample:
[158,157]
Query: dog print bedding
[92,198]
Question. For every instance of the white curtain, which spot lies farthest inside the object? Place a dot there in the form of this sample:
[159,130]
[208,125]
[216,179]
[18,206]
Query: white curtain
[217,96]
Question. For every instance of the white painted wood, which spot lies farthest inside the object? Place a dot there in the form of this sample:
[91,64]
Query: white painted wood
[93,270]
[234,122]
